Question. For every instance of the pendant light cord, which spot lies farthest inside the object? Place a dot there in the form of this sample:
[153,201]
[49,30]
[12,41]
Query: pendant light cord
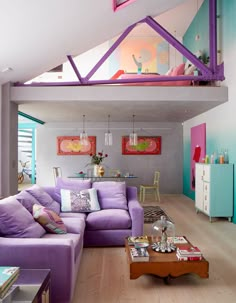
[133,123]
[108,124]
[83,124]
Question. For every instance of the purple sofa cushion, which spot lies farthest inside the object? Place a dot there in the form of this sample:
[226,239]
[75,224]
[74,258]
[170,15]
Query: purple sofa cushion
[27,200]
[66,183]
[83,201]
[16,221]
[111,194]
[49,219]
[44,198]
[108,219]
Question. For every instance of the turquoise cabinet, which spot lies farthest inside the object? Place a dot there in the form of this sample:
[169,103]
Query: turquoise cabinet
[214,189]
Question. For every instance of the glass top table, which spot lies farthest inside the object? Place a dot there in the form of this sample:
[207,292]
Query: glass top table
[116,178]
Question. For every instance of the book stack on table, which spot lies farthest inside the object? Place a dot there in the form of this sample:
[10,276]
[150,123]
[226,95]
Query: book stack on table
[139,248]
[188,253]
[8,275]
[139,254]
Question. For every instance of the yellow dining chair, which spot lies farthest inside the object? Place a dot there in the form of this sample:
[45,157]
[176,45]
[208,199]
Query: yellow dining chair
[56,173]
[151,187]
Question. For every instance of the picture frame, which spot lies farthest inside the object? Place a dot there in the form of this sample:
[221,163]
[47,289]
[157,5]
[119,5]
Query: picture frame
[147,145]
[70,145]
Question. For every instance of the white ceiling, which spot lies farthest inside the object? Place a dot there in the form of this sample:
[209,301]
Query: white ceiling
[38,35]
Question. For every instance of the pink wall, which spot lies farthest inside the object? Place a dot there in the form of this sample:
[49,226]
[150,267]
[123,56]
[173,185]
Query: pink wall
[198,148]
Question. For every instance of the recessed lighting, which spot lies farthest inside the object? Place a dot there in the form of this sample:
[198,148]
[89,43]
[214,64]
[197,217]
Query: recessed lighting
[6,69]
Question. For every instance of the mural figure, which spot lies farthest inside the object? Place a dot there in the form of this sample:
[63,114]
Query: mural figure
[138,63]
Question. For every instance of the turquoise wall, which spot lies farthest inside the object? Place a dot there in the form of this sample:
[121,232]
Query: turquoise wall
[220,121]
[199,26]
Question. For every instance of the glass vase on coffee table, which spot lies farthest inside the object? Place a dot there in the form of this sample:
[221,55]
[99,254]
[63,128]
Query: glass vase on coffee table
[162,233]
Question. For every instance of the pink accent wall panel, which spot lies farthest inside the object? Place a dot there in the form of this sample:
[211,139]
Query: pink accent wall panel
[198,148]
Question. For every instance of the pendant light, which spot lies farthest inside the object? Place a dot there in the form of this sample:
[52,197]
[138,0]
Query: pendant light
[83,135]
[133,137]
[108,134]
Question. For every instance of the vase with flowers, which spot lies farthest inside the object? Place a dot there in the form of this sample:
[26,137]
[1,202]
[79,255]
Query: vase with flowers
[96,160]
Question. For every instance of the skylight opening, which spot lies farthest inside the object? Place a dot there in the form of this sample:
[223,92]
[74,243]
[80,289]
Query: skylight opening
[118,4]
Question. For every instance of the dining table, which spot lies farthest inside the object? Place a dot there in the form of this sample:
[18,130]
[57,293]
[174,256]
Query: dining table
[102,178]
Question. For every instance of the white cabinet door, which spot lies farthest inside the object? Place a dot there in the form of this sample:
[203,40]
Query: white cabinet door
[199,187]
[206,173]
[206,198]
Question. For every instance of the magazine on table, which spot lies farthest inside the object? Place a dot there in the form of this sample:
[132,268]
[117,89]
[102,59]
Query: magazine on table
[139,254]
[139,239]
[8,275]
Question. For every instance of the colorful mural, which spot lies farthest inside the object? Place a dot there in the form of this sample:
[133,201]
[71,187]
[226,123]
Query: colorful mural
[152,52]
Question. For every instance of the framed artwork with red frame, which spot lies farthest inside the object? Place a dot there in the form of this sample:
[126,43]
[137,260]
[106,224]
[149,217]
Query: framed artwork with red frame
[146,146]
[70,145]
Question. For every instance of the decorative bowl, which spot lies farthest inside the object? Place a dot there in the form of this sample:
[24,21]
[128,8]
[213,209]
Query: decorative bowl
[80,175]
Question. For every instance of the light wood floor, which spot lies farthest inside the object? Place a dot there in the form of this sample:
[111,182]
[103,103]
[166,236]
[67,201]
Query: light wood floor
[103,276]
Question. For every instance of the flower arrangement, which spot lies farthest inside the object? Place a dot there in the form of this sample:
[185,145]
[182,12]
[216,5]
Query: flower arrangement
[98,158]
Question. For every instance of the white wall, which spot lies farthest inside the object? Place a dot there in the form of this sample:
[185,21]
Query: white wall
[169,163]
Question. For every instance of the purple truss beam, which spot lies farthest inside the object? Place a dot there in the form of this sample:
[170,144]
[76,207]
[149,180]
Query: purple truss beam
[177,45]
[75,69]
[110,51]
[215,72]
[118,81]
[213,35]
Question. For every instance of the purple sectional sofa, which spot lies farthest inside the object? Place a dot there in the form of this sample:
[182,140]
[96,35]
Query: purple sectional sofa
[26,242]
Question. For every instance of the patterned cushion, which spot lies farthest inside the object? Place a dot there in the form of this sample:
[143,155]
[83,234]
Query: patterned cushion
[16,221]
[79,201]
[44,198]
[48,219]
[66,183]
[111,194]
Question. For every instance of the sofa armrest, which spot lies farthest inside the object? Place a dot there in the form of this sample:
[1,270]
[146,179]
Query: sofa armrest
[35,252]
[54,254]
[136,211]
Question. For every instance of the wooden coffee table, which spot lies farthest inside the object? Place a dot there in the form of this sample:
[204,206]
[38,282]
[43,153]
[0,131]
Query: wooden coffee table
[166,265]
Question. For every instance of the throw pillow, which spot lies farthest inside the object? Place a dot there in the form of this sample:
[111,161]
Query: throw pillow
[168,73]
[190,70]
[49,219]
[66,183]
[16,221]
[85,200]
[44,198]
[27,200]
[111,194]
[178,70]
